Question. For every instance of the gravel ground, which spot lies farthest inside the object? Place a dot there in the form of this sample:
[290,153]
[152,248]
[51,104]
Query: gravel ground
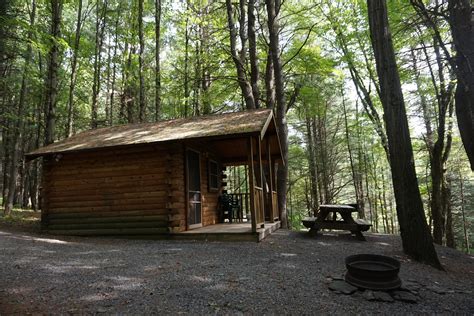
[287,273]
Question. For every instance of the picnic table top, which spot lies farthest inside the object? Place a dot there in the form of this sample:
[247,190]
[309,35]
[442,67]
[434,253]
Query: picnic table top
[338,207]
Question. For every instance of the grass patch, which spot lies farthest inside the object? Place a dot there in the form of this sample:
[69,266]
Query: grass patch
[21,218]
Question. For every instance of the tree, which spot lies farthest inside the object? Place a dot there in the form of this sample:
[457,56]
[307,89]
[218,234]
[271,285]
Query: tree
[462,29]
[142,108]
[273,10]
[51,84]
[240,59]
[157,59]
[18,128]
[416,238]
[101,11]
[72,82]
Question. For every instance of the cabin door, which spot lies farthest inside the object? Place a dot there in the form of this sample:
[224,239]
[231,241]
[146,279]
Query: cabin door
[194,189]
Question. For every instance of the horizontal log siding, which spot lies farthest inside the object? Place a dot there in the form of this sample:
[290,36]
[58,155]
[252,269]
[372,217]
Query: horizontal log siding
[176,191]
[120,191]
[209,199]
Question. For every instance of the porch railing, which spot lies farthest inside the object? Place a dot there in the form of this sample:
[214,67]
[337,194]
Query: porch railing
[275,214]
[240,206]
[259,209]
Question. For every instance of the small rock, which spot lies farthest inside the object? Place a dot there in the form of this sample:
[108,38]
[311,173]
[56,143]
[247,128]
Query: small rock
[101,310]
[342,286]
[404,296]
[436,289]
[369,295]
[410,287]
[382,296]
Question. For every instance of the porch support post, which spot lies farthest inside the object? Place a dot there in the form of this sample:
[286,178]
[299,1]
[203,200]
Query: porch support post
[262,195]
[251,183]
[270,176]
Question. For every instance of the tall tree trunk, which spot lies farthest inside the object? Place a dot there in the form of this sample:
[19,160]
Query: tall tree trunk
[253,58]
[355,175]
[72,81]
[273,8]
[18,127]
[463,212]
[239,60]
[416,238]
[51,90]
[157,60]
[270,82]
[142,109]
[312,167]
[186,63]
[99,38]
[461,20]
[450,241]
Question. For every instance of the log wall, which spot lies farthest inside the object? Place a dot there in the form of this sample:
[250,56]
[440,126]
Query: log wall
[126,191]
[209,199]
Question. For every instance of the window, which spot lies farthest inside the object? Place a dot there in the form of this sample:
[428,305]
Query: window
[213,176]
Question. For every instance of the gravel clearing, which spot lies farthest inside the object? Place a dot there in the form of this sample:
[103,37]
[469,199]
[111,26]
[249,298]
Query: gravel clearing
[287,273]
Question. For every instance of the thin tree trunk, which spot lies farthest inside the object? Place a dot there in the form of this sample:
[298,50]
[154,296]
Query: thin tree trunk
[446,190]
[51,90]
[416,238]
[18,127]
[114,74]
[142,109]
[72,81]
[239,60]
[186,63]
[312,168]
[253,58]
[99,37]
[270,82]
[463,213]
[355,176]
[157,60]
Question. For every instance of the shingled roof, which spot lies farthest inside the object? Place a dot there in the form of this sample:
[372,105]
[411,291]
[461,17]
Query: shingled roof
[217,125]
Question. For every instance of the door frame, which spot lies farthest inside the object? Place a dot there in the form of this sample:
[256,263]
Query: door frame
[188,149]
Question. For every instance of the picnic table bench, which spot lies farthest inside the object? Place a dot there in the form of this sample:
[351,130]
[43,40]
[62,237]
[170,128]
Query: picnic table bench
[324,220]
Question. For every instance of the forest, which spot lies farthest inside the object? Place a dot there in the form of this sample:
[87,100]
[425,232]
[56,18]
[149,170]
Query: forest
[355,124]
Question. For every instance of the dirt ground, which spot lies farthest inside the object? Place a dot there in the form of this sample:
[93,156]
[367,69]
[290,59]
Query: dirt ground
[287,273]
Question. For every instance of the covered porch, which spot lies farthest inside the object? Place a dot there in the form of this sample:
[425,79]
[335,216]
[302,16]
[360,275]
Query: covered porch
[249,164]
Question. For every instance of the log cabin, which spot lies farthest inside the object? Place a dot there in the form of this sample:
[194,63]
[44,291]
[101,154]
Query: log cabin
[162,179]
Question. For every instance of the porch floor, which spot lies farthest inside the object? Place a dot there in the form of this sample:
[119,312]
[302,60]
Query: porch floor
[229,232]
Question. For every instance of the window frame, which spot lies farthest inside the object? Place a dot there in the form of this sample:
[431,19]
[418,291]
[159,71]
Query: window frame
[210,174]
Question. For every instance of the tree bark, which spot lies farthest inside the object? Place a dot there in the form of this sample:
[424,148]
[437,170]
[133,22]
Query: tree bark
[72,81]
[416,238]
[273,8]
[51,90]
[461,20]
[142,109]
[157,60]
[99,38]
[253,58]
[239,60]
[270,82]
[114,74]
[18,127]
[312,168]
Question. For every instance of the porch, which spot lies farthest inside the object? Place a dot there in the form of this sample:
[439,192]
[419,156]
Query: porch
[229,232]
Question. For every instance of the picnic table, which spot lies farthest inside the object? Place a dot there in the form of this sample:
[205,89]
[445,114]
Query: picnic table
[327,219]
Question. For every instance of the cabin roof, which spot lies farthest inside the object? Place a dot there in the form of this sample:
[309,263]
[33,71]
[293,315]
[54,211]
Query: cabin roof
[216,125]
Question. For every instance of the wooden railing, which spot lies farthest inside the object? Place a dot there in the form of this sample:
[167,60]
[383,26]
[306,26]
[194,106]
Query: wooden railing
[275,213]
[240,206]
[259,208]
